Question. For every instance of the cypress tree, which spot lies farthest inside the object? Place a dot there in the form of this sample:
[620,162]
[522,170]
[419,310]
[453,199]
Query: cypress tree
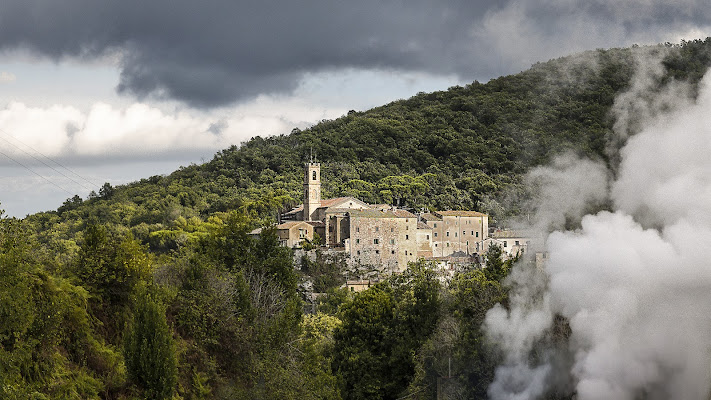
[149,350]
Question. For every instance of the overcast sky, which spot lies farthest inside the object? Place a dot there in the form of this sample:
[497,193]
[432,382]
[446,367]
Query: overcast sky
[120,90]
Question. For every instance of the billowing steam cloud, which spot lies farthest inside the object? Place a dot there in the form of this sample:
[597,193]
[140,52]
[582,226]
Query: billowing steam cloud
[633,284]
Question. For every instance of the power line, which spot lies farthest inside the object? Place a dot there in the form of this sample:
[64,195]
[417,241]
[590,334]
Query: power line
[47,165]
[34,172]
[48,158]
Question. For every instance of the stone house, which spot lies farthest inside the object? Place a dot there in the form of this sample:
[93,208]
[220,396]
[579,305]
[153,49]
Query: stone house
[424,240]
[380,235]
[383,238]
[512,242]
[457,231]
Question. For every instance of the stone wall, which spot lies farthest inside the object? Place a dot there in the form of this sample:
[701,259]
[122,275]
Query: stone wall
[390,242]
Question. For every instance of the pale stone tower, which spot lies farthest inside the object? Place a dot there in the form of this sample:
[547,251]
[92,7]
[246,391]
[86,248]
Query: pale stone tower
[312,190]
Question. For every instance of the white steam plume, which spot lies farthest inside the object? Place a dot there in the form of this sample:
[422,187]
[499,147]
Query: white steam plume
[634,284]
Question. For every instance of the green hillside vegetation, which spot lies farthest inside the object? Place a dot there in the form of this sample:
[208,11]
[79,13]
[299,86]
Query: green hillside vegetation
[162,275]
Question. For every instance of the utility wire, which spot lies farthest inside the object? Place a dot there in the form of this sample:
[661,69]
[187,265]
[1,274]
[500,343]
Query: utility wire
[34,172]
[48,158]
[45,164]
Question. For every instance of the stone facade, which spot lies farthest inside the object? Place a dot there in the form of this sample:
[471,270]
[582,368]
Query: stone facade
[312,191]
[462,232]
[292,233]
[424,240]
[513,242]
[381,235]
[387,239]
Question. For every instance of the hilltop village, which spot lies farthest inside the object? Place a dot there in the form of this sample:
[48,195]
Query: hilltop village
[386,236]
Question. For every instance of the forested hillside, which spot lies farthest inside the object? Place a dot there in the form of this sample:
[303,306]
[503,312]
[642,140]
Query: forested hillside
[155,289]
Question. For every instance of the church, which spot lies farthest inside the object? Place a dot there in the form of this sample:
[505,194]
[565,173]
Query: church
[379,235]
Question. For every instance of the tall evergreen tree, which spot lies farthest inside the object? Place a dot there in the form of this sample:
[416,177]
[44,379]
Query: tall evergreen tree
[149,349]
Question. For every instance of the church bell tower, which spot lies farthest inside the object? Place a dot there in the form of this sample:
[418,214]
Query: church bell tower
[312,190]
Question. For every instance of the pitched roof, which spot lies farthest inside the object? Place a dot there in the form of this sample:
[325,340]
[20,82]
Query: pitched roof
[511,234]
[462,213]
[325,203]
[430,217]
[371,214]
[332,202]
[337,210]
[422,225]
[404,214]
[290,224]
[296,209]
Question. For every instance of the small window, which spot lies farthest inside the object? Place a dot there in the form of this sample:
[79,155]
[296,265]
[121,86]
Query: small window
[472,233]
[505,243]
[447,233]
[516,243]
[392,241]
[428,237]
[407,228]
[405,252]
[377,228]
[358,252]
[407,237]
[435,244]
[392,229]
[357,241]
[376,241]
[435,224]
[455,234]
[435,234]
[447,244]
[477,234]
[392,251]
[464,233]
[377,251]
[357,229]
[467,243]
[313,176]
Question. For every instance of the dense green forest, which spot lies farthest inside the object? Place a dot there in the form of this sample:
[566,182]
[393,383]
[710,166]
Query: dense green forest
[156,290]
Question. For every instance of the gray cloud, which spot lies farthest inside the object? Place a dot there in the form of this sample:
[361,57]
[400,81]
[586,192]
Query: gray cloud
[216,52]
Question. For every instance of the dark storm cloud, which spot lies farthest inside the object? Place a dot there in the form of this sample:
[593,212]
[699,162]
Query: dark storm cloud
[209,53]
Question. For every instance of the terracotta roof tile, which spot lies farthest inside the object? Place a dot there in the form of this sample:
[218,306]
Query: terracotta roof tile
[462,213]
[404,214]
[430,217]
[371,214]
[422,225]
[290,224]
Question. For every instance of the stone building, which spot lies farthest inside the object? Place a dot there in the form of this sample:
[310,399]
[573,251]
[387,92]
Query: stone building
[424,240]
[293,233]
[383,238]
[514,242]
[457,231]
[380,235]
